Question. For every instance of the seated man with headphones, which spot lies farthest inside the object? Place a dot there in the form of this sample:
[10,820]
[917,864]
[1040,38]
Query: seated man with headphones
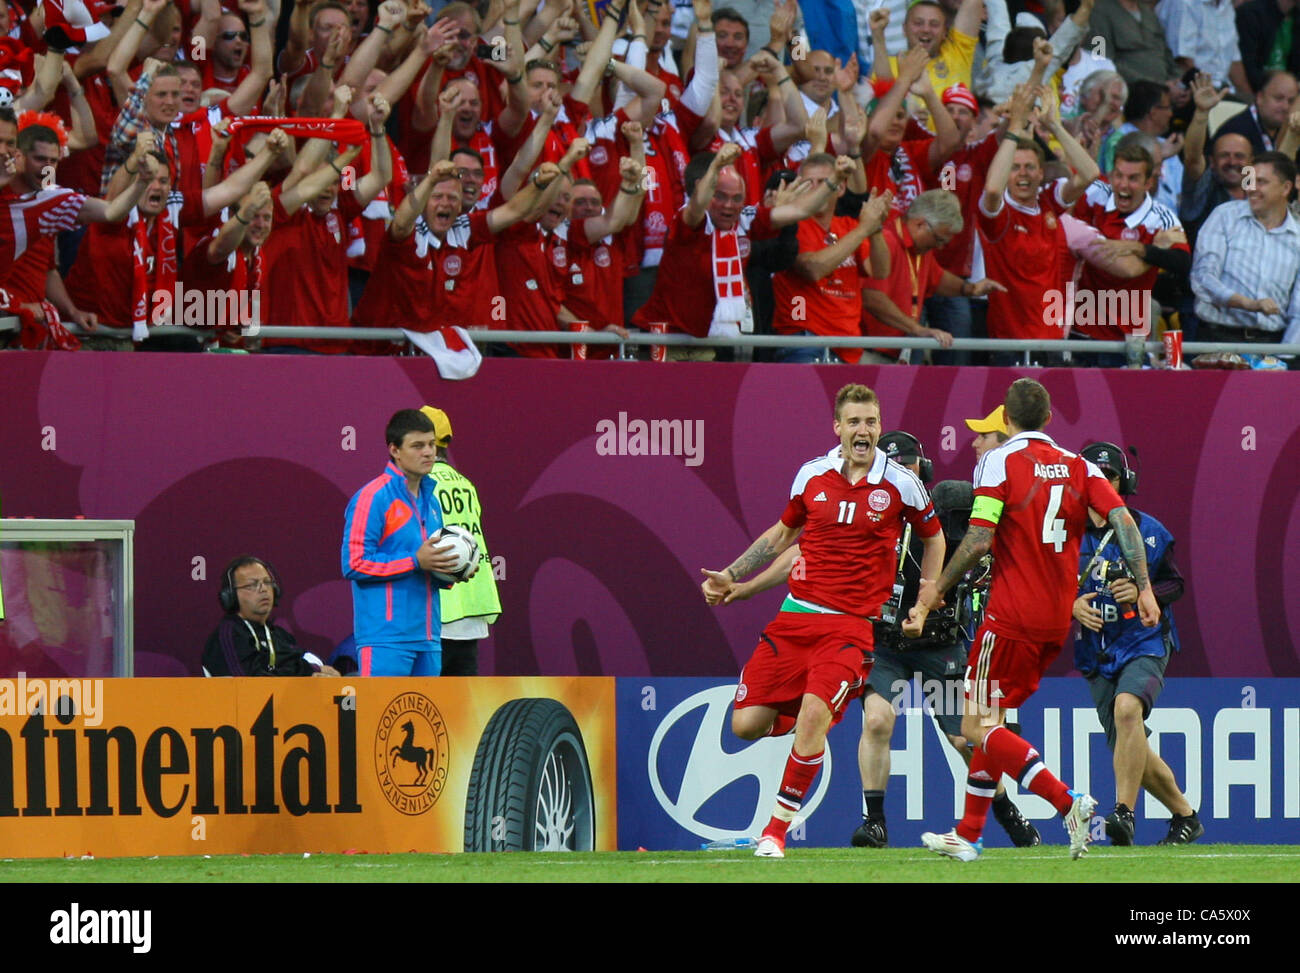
[246,643]
[1123,661]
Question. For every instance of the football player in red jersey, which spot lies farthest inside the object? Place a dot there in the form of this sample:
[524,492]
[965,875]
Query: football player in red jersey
[847,511]
[1035,496]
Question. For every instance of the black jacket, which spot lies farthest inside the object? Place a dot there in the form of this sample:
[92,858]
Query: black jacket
[1258,24]
[232,650]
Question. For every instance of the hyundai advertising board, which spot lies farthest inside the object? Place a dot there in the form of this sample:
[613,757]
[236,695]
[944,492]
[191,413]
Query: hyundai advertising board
[685,779]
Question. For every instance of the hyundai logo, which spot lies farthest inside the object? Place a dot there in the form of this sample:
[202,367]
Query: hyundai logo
[709,769]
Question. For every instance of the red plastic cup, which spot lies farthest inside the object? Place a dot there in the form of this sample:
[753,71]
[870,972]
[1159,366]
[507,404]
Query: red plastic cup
[658,352]
[1173,349]
[579,351]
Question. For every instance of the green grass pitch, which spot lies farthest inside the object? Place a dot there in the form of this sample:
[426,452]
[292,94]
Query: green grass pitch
[1191,864]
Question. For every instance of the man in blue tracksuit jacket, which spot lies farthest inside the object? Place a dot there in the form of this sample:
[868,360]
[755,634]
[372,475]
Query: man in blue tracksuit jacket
[389,533]
[1124,662]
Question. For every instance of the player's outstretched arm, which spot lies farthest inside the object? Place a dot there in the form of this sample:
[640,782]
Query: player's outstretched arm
[1129,539]
[719,589]
[769,544]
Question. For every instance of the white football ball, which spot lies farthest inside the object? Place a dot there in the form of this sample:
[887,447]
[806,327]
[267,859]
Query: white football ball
[462,543]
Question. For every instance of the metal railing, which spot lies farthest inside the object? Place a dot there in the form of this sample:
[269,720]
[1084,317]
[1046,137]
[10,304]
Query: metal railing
[484,336]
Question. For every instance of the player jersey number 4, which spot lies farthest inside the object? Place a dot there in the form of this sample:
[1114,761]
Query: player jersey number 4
[1036,496]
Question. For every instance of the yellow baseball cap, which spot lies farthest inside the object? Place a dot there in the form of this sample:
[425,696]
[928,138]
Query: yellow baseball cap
[995,421]
[441,424]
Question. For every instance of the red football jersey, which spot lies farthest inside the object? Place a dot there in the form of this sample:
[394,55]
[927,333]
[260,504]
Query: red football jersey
[964,174]
[1025,251]
[905,172]
[102,278]
[465,275]
[26,277]
[850,531]
[534,287]
[831,306]
[1120,306]
[307,271]
[593,280]
[912,280]
[684,290]
[46,212]
[757,155]
[400,290]
[1036,496]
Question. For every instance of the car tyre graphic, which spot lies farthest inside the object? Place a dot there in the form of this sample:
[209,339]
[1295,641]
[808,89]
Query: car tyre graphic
[530,788]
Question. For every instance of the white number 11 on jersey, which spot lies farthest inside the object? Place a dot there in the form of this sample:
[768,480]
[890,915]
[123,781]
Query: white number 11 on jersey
[846,512]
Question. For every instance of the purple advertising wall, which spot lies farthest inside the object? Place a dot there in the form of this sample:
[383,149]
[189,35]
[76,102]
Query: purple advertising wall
[598,548]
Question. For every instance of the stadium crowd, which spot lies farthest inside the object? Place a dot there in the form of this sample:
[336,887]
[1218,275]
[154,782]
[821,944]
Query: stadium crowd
[930,168]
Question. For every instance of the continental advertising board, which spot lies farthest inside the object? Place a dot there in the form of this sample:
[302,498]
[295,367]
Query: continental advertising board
[112,767]
[684,779]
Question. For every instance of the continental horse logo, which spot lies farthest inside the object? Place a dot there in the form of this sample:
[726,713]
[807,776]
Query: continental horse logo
[412,753]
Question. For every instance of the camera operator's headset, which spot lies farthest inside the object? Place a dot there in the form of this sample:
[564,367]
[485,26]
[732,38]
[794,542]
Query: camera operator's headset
[1110,455]
[899,443]
[229,597]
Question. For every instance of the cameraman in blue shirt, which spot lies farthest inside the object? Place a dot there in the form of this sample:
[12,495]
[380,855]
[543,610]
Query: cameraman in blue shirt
[1124,662]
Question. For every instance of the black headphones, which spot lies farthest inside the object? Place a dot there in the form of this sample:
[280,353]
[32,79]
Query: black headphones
[899,443]
[1110,456]
[229,597]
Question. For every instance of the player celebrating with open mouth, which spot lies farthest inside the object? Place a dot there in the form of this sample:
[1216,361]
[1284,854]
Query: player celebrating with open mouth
[847,512]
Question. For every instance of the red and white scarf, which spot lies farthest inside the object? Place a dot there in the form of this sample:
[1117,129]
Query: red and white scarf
[36,335]
[244,279]
[349,131]
[728,282]
[345,131]
[241,278]
[154,256]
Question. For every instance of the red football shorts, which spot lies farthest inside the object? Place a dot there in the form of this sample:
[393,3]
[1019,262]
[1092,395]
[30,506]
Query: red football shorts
[1004,672]
[826,655]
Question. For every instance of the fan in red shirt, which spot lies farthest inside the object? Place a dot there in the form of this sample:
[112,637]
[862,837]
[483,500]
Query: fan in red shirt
[465,61]
[229,264]
[462,105]
[1031,510]
[29,217]
[428,234]
[907,168]
[185,134]
[367,232]
[128,275]
[306,258]
[847,512]
[700,288]
[764,146]
[1110,307]
[964,174]
[659,19]
[894,304]
[226,43]
[30,277]
[1020,227]
[593,287]
[542,79]
[532,292]
[468,290]
[315,30]
[822,293]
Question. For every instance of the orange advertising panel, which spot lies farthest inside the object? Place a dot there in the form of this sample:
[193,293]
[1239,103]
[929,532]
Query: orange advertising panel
[110,767]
